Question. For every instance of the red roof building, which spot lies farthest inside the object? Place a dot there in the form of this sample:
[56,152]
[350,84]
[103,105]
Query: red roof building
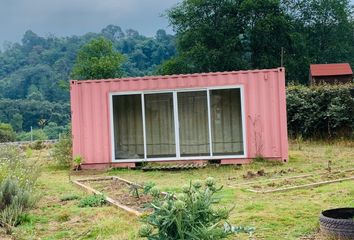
[335,73]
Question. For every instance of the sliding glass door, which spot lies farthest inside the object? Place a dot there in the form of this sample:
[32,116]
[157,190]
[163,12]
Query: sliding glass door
[159,122]
[128,127]
[193,124]
[226,122]
[202,124]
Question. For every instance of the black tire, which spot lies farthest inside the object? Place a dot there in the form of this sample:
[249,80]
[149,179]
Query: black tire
[338,223]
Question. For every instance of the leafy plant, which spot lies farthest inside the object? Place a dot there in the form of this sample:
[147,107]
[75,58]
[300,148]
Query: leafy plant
[188,215]
[69,197]
[147,186]
[62,151]
[77,161]
[14,201]
[96,200]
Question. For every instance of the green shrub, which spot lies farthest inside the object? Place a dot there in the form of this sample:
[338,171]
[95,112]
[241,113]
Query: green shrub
[96,200]
[77,162]
[17,176]
[37,134]
[325,111]
[62,151]
[188,215]
[7,134]
[37,145]
[52,130]
[13,164]
[14,201]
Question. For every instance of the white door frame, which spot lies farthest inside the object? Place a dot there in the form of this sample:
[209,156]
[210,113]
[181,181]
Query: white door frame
[176,124]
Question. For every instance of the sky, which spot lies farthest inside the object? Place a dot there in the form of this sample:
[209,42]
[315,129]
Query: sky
[77,17]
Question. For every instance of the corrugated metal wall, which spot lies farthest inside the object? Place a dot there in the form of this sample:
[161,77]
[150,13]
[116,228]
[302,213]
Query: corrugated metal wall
[264,109]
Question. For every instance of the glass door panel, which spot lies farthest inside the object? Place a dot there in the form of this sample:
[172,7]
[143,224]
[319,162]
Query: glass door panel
[128,127]
[159,124]
[226,122]
[193,123]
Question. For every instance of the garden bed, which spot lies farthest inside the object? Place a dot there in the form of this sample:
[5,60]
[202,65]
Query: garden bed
[118,192]
[296,182]
[122,192]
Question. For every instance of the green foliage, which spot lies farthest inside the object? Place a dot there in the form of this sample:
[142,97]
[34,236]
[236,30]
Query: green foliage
[98,60]
[220,35]
[34,74]
[208,37]
[322,32]
[37,145]
[69,197]
[26,113]
[325,111]
[62,150]
[17,176]
[14,165]
[14,201]
[37,135]
[147,186]
[7,134]
[17,122]
[96,200]
[52,130]
[188,215]
[78,160]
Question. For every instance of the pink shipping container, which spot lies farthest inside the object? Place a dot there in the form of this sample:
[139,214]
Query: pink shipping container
[229,117]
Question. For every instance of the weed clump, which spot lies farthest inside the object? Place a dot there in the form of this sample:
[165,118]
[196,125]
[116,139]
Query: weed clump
[62,151]
[14,165]
[69,197]
[37,145]
[96,200]
[14,201]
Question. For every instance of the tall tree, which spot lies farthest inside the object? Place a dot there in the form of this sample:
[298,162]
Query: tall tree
[98,60]
[210,36]
[214,35]
[268,31]
[239,34]
[323,33]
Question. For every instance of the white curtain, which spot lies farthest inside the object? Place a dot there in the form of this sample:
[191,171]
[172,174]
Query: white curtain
[226,122]
[193,123]
[128,127]
[159,119]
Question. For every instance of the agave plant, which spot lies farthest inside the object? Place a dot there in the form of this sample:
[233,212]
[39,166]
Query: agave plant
[188,215]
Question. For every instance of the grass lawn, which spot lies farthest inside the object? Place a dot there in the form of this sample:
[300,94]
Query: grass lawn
[283,215]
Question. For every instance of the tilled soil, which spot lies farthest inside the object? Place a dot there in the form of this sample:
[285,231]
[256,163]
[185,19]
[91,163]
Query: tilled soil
[121,192]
